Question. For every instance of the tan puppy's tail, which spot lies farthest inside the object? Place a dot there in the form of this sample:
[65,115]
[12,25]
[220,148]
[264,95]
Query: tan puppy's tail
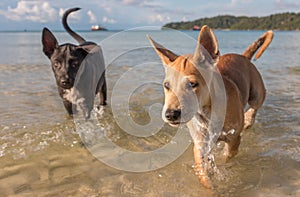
[262,42]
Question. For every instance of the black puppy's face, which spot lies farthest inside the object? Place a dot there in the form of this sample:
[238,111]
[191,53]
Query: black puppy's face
[65,59]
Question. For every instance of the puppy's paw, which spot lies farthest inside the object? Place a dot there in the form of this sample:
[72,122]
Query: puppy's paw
[202,174]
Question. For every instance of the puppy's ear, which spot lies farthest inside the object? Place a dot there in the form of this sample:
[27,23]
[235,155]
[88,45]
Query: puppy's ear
[165,55]
[49,42]
[207,42]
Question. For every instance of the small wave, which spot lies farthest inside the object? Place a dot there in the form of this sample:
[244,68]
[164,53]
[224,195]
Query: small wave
[21,141]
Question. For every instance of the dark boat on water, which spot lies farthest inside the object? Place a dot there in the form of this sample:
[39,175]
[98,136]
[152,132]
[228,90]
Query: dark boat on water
[196,28]
[97,28]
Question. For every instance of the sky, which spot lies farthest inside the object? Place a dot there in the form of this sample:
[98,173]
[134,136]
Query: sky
[125,14]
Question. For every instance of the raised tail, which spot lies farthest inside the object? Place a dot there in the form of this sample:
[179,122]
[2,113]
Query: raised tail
[77,37]
[262,42]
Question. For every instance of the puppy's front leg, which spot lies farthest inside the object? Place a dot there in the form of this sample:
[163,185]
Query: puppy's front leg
[68,105]
[200,167]
[199,134]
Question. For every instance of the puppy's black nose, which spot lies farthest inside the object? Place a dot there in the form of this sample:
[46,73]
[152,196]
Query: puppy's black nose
[65,82]
[172,115]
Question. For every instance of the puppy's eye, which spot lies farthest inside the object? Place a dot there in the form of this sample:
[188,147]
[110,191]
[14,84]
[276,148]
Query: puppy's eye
[167,85]
[191,84]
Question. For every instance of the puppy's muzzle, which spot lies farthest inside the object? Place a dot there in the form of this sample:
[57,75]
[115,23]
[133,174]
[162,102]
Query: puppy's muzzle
[173,115]
[66,83]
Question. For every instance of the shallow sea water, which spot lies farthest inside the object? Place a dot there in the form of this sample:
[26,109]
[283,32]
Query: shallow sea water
[43,154]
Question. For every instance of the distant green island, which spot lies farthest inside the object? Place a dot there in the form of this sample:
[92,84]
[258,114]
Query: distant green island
[282,21]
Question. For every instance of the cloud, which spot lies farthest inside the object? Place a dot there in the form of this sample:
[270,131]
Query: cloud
[158,12]
[107,8]
[282,4]
[92,17]
[105,19]
[159,18]
[34,10]
[141,3]
[130,2]
[235,2]
[73,16]
[151,4]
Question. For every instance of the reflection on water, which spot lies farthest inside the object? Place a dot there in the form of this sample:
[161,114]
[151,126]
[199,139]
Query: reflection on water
[41,152]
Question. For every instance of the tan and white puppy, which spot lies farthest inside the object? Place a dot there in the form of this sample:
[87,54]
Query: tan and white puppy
[188,88]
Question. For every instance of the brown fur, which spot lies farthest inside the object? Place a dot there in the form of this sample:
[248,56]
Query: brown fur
[188,99]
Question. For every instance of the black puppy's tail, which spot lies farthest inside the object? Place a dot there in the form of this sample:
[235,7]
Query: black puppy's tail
[77,37]
[262,42]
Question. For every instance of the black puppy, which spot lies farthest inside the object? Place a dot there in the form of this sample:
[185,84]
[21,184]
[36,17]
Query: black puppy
[68,60]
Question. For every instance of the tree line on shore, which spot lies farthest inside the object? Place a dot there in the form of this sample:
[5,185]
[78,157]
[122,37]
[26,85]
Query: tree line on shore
[282,21]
